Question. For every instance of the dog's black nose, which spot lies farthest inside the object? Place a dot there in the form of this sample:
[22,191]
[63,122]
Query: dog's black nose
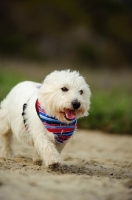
[76,104]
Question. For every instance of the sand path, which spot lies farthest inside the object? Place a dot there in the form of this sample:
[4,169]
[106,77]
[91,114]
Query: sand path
[95,166]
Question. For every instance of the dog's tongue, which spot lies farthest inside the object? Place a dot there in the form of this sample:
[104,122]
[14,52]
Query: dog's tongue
[70,114]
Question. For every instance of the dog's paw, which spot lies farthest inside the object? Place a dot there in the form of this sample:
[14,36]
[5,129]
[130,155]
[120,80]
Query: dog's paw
[53,160]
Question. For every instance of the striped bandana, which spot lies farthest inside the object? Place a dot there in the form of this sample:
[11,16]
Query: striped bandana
[62,131]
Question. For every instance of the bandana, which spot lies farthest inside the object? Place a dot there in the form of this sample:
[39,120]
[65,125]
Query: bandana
[62,131]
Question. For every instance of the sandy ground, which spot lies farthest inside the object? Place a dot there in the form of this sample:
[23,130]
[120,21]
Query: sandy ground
[95,166]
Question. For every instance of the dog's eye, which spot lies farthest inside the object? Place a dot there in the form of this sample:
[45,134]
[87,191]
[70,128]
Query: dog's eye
[81,92]
[64,89]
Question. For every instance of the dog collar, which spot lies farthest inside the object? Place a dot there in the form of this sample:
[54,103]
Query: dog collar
[62,131]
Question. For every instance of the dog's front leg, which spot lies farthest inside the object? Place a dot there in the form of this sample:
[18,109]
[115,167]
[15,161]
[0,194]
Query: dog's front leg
[36,158]
[47,151]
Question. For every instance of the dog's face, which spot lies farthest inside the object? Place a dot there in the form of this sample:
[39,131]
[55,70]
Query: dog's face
[65,95]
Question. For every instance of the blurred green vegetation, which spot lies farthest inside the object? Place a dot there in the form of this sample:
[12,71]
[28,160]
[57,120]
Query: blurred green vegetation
[111,100]
[93,35]
[7,81]
[110,112]
[97,32]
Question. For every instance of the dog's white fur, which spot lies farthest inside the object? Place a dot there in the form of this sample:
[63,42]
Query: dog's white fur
[53,100]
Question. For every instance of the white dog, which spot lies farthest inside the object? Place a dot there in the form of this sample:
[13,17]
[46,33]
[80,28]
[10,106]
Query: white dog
[44,115]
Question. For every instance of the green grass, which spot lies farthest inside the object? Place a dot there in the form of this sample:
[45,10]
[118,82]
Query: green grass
[8,79]
[111,100]
[111,112]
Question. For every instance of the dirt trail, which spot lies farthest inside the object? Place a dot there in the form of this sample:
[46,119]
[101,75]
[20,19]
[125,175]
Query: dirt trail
[95,166]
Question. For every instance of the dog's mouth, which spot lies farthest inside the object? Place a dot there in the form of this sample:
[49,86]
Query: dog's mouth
[69,114]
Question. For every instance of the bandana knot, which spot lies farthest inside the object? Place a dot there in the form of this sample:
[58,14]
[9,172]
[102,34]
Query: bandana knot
[62,131]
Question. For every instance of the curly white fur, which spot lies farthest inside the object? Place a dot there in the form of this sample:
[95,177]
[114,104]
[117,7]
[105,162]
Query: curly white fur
[54,101]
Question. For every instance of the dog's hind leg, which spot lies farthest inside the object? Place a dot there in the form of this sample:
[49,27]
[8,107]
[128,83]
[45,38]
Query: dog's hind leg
[5,149]
[5,131]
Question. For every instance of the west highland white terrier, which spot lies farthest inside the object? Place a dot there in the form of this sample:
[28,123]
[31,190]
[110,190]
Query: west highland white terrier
[44,115]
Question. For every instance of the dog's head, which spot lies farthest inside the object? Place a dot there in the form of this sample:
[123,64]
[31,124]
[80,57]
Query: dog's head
[65,95]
